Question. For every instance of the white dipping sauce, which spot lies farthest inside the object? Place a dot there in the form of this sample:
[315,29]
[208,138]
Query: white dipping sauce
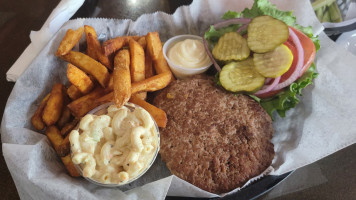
[189,53]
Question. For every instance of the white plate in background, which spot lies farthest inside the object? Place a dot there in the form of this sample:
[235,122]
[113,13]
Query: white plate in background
[348,41]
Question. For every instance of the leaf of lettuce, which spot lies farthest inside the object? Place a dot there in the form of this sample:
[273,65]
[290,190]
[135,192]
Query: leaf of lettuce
[264,7]
[288,98]
[213,35]
[231,15]
[316,42]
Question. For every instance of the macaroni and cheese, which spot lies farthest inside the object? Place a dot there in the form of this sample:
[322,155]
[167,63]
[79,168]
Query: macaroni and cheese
[115,147]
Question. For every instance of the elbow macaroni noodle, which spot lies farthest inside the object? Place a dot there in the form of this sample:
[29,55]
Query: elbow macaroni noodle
[115,147]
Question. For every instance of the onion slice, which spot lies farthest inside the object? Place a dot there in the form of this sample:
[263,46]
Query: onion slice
[242,28]
[268,80]
[267,88]
[216,65]
[232,21]
[299,66]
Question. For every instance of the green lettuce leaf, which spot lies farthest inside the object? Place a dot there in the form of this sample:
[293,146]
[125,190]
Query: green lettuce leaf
[288,98]
[231,14]
[264,7]
[213,35]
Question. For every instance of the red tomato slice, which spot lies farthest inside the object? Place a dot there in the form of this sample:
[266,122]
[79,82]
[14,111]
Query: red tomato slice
[309,49]
[309,55]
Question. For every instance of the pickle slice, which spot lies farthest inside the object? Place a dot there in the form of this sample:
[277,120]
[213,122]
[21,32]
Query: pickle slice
[266,33]
[274,63]
[231,46]
[241,76]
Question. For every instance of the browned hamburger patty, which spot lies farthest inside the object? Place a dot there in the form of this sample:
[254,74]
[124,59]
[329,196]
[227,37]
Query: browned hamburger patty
[213,139]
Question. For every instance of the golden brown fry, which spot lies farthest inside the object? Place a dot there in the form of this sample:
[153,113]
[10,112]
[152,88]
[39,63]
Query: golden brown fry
[84,104]
[106,98]
[89,65]
[154,45]
[110,84]
[134,37]
[79,79]
[36,118]
[121,78]
[112,45]
[54,137]
[90,46]
[149,72]
[65,117]
[101,57]
[67,161]
[66,98]
[154,48]
[68,127]
[69,41]
[73,92]
[152,84]
[64,147]
[137,66]
[53,109]
[161,65]
[142,42]
[158,115]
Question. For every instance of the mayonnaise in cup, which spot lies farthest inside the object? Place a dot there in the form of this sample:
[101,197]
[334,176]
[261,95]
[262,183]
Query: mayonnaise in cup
[186,55]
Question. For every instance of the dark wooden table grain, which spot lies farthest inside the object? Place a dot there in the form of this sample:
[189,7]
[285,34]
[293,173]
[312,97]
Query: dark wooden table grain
[333,177]
[17,19]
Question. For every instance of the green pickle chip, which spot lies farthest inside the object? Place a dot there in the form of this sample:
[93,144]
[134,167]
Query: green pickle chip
[241,77]
[231,46]
[265,33]
[273,63]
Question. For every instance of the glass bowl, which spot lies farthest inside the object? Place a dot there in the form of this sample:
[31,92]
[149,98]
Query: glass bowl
[102,109]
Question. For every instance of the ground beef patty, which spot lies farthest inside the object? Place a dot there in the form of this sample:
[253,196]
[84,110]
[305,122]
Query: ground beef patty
[213,139]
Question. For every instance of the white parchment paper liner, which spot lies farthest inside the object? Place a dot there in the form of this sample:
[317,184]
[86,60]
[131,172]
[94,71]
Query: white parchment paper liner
[323,123]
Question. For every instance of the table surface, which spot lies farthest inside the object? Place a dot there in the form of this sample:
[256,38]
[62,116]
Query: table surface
[333,177]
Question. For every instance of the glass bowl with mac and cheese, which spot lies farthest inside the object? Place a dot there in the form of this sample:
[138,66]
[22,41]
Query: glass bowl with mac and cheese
[115,146]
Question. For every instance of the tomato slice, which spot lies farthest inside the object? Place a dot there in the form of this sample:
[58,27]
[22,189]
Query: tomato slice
[309,55]
[309,49]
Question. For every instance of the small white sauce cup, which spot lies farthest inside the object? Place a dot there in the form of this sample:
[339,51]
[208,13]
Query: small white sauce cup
[181,72]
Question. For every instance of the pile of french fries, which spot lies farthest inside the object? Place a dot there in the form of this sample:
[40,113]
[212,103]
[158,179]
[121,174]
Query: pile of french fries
[121,69]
